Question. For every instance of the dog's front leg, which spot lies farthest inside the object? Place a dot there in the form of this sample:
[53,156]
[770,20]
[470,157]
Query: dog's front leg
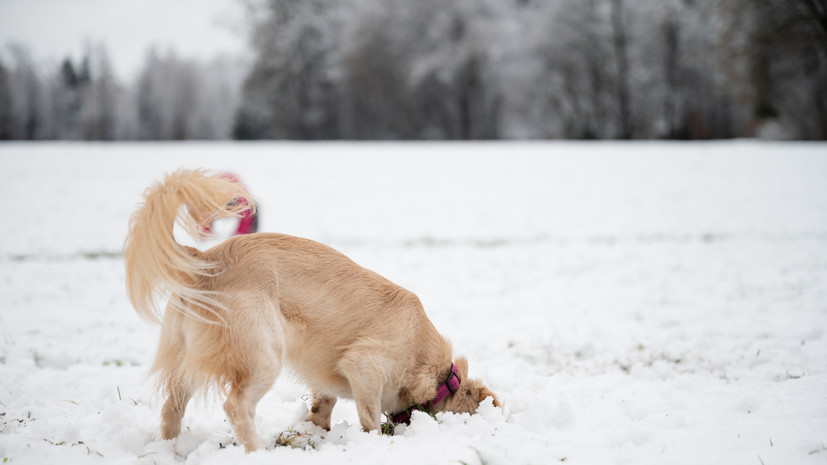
[370,410]
[366,385]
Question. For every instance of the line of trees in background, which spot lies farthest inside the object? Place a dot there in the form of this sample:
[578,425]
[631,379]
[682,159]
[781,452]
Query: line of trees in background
[171,98]
[458,69]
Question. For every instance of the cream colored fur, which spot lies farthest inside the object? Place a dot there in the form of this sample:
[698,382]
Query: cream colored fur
[241,310]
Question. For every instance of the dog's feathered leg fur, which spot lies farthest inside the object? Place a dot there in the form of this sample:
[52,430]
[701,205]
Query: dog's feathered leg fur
[178,396]
[169,362]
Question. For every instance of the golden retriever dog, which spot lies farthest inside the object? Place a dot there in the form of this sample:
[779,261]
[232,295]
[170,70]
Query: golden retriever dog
[237,313]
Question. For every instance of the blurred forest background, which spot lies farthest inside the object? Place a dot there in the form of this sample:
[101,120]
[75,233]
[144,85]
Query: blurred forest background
[453,69]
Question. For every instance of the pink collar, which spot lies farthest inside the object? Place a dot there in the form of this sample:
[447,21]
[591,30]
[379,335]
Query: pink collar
[450,386]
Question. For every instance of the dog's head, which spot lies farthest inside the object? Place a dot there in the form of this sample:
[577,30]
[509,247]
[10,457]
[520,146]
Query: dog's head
[470,393]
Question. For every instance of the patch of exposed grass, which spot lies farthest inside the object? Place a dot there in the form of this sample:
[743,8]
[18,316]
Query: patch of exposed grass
[295,439]
[100,254]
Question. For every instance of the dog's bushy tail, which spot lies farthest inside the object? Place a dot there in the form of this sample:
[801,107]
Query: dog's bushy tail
[157,266]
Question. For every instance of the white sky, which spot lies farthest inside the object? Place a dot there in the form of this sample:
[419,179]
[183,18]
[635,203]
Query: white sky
[54,29]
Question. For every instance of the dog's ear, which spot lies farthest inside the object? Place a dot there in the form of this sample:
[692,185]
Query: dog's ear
[485,393]
[462,368]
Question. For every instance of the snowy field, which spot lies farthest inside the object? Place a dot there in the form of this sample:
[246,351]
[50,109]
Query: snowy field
[642,303]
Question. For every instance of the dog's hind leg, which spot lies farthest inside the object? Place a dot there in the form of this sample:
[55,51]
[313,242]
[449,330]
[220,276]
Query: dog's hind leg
[253,358]
[178,395]
[320,409]
[241,405]
[169,364]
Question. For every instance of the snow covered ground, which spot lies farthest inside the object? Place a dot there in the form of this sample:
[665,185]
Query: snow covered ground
[630,303]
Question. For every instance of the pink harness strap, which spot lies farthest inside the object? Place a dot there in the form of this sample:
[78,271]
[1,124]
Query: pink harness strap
[247,223]
[450,386]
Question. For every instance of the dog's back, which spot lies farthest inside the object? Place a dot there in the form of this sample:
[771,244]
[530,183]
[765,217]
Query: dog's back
[329,307]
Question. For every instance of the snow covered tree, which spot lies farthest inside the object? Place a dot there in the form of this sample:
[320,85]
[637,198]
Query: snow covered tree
[292,92]
[101,99]
[68,96]
[5,103]
[777,52]
[421,70]
[165,98]
[178,99]
[26,90]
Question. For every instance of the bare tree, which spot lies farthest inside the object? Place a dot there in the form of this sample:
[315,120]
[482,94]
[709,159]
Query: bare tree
[5,103]
[622,85]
